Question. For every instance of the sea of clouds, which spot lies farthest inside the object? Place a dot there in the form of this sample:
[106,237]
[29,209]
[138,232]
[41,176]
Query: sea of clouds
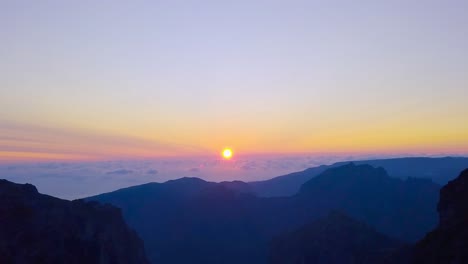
[72,180]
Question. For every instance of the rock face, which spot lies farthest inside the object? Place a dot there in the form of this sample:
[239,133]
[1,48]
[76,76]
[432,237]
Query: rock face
[335,239]
[453,204]
[36,228]
[448,243]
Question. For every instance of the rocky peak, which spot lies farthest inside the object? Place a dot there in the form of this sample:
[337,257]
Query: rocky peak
[448,243]
[453,204]
[37,228]
[351,174]
[10,189]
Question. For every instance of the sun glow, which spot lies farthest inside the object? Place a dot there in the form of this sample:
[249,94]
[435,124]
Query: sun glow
[227,153]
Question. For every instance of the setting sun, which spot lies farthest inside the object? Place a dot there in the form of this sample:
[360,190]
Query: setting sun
[227,153]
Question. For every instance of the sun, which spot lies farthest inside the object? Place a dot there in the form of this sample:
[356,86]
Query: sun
[227,153]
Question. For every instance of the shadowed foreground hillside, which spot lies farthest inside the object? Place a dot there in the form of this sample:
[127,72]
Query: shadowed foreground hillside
[36,228]
[448,243]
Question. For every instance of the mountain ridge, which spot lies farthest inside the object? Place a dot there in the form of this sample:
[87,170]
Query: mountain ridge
[37,228]
[448,242]
[208,222]
[440,170]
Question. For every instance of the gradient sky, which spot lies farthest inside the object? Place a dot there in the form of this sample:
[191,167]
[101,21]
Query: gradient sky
[129,79]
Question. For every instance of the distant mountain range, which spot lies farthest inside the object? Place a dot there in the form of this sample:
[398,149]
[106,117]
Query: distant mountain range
[439,170]
[193,221]
[37,228]
[348,213]
[340,239]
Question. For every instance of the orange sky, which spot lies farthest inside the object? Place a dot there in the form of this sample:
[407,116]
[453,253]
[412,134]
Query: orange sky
[88,80]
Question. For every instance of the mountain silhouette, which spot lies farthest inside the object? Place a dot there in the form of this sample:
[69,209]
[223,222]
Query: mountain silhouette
[448,243]
[37,228]
[403,209]
[335,239]
[340,239]
[440,170]
[193,221]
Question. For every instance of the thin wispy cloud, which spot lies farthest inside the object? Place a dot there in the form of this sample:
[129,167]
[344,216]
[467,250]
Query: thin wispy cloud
[20,141]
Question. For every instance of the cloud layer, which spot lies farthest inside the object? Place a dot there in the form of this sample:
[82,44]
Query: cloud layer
[71,180]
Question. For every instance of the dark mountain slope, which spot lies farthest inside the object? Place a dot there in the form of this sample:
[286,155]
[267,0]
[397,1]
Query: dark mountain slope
[440,170]
[335,239]
[403,209]
[36,228]
[286,185]
[193,221]
[448,243]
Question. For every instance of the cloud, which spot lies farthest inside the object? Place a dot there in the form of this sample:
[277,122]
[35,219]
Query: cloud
[34,142]
[152,172]
[120,172]
[73,180]
[194,170]
[250,165]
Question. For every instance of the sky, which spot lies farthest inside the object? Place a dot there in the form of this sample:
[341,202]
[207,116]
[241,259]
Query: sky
[132,80]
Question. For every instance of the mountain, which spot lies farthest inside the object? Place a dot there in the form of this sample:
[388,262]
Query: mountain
[340,239]
[193,221]
[403,209]
[36,228]
[285,185]
[448,243]
[440,170]
[335,239]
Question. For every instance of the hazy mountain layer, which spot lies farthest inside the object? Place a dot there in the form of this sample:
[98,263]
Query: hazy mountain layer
[190,220]
[440,170]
